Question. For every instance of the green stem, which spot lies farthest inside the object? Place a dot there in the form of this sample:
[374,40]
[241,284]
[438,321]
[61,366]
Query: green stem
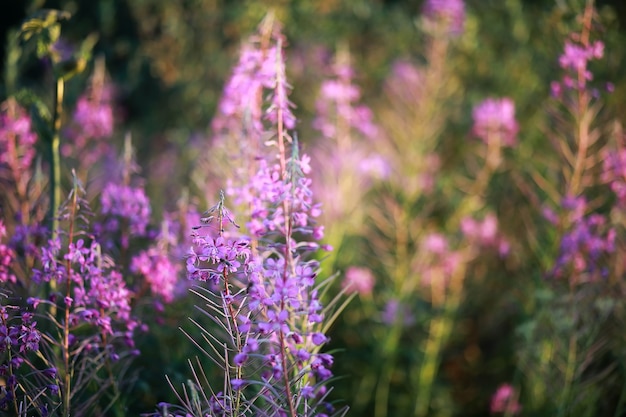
[55,157]
[438,334]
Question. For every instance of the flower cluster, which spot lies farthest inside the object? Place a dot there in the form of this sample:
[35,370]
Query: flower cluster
[504,401]
[92,122]
[94,292]
[346,158]
[158,271]
[18,337]
[242,102]
[494,121]
[439,262]
[262,285]
[360,280]
[485,233]
[574,61]
[17,142]
[587,239]
[338,101]
[125,206]
[6,257]
[614,174]
[450,14]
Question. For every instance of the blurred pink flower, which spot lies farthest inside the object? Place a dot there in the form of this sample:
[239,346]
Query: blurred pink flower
[17,140]
[435,243]
[485,233]
[505,400]
[574,61]
[359,279]
[449,13]
[495,118]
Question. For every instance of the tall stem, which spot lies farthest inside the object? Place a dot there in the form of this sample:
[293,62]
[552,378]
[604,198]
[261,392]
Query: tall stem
[66,323]
[55,157]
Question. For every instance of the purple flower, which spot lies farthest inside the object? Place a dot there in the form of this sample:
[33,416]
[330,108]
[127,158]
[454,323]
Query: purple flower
[494,120]
[586,241]
[128,203]
[337,104]
[449,14]
[92,122]
[17,143]
[158,271]
[6,258]
[484,233]
[394,310]
[574,61]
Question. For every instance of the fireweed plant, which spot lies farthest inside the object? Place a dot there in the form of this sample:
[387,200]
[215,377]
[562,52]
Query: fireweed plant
[573,330]
[260,286]
[74,284]
[419,258]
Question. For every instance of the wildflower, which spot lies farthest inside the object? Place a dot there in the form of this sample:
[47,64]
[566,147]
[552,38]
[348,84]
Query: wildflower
[17,144]
[494,120]
[394,310]
[128,204]
[586,240]
[158,271]
[450,14]
[6,258]
[92,121]
[360,280]
[504,400]
[614,174]
[485,233]
[574,61]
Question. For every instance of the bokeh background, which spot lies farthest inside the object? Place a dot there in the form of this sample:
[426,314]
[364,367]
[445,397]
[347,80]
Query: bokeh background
[169,60]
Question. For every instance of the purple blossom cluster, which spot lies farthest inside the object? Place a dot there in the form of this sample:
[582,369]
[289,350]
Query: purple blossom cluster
[242,102]
[19,338]
[283,309]
[158,271]
[494,121]
[614,174]
[7,254]
[338,100]
[125,206]
[588,239]
[440,261]
[346,156]
[89,288]
[266,281]
[159,264]
[17,143]
[92,122]
[574,61]
[265,195]
[485,233]
[450,14]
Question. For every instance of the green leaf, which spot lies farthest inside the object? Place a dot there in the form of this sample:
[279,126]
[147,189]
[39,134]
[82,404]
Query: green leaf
[43,20]
[41,116]
[77,64]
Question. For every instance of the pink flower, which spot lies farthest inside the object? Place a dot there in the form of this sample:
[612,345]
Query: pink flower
[495,119]
[359,279]
[449,13]
[435,243]
[505,400]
